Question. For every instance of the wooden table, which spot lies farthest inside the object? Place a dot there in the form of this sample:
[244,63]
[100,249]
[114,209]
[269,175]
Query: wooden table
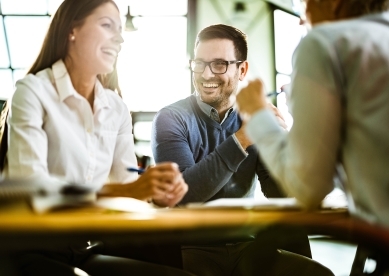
[22,229]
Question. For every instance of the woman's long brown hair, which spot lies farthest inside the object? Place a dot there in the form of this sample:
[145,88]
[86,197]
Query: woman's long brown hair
[70,14]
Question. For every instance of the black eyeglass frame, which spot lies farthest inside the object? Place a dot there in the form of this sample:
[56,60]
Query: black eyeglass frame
[226,62]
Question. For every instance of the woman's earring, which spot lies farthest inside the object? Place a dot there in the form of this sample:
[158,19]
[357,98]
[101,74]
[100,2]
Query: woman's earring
[72,38]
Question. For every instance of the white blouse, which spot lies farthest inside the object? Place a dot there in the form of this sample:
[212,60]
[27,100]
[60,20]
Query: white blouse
[54,132]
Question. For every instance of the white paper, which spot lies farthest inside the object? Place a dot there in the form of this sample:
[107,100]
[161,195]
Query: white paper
[332,201]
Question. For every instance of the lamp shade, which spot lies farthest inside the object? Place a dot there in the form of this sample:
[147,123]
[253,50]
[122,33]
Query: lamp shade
[129,25]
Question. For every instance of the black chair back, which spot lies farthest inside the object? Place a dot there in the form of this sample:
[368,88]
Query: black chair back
[3,134]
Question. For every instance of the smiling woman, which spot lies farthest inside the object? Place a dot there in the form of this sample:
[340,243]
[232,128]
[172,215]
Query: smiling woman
[100,36]
[68,121]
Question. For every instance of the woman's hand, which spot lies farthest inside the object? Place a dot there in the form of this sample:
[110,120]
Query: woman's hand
[173,197]
[163,183]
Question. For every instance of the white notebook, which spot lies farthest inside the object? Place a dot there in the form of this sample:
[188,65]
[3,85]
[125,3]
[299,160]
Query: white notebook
[332,201]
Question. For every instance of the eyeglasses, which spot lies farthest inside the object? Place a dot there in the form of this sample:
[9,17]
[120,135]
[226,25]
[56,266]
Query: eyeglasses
[216,66]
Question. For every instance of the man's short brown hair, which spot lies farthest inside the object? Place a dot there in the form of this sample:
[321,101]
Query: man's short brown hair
[221,31]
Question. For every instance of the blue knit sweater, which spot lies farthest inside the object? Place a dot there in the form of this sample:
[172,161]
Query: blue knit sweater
[212,164]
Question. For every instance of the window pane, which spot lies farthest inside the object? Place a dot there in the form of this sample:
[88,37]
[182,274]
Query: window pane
[7,85]
[19,74]
[287,34]
[281,80]
[154,7]
[22,31]
[152,65]
[4,60]
[54,5]
[142,130]
[24,6]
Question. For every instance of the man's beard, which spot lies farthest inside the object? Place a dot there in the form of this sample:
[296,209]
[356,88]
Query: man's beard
[223,98]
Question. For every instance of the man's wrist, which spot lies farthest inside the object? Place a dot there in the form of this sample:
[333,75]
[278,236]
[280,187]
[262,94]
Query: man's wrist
[239,144]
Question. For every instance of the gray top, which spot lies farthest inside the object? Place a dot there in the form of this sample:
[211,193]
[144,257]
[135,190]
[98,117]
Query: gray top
[339,100]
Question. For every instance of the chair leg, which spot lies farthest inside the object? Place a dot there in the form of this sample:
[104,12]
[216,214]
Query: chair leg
[362,255]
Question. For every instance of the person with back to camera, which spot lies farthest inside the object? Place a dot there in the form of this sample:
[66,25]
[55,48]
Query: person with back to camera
[337,97]
[204,135]
[339,101]
[68,120]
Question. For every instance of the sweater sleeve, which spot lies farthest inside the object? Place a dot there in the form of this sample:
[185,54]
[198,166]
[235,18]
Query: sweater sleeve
[269,186]
[173,140]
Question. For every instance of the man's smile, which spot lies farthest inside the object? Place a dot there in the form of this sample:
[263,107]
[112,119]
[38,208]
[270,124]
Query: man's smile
[211,85]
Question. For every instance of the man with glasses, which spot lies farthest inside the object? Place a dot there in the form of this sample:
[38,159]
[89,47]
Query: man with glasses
[204,135]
